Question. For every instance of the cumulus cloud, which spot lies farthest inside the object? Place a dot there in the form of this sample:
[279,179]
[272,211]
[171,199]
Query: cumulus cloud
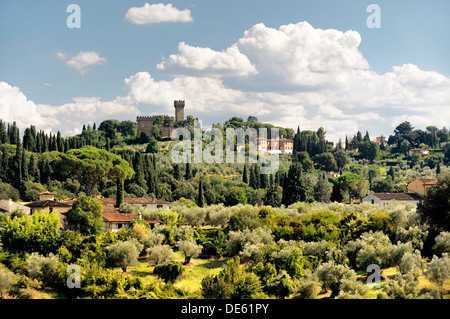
[157,13]
[82,61]
[70,117]
[14,106]
[289,76]
[207,62]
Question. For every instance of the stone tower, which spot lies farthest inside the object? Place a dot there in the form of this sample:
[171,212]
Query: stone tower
[179,111]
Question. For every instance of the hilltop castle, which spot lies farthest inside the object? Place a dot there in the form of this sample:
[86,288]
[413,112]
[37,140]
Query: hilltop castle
[166,126]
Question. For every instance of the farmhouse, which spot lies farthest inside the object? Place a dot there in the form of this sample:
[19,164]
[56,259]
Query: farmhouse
[113,220]
[383,199]
[421,151]
[420,185]
[8,206]
[149,203]
[50,206]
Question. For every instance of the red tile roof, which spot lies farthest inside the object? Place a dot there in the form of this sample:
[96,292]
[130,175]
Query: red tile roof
[47,203]
[142,201]
[124,217]
[118,217]
[428,181]
[47,193]
[398,196]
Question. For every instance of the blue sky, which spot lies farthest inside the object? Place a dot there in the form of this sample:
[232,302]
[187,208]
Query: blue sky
[37,46]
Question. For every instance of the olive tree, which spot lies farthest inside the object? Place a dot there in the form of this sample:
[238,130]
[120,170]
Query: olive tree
[442,242]
[331,275]
[160,254]
[124,253]
[43,268]
[439,269]
[189,249]
[5,281]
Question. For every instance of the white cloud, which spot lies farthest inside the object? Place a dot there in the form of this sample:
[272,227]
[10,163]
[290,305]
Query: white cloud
[82,61]
[70,117]
[207,62]
[14,106]
[290,76]
[157,13]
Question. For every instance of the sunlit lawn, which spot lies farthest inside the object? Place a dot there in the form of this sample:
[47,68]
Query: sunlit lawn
[192,277]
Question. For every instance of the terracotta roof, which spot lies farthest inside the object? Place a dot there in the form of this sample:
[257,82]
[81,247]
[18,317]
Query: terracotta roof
[118,217]
[124,218]
[110,209]
[68,201]
[398,196]
[47,193]
[142,201]
[428,181]
[47,203]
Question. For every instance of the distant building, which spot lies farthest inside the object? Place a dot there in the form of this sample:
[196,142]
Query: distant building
[275,146]
[380,140]
[50,206]
[149,203]
[114,221]
[332,174]
[420,185]
[421,151]
[145,123]
[8,206]
[384,199]
[47,196]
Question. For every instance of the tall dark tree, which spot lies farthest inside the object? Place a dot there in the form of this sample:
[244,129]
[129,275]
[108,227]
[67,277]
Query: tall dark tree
[264,181]
[4,138]
[435,208]
[252,179]
[245,175]
[119,192]
[298,187]
[274,196]
[200,196]
[17,164]
[59,142]
[391,173]
[139,177]
[187,171]
[177,172]
[33,169]
[321,191]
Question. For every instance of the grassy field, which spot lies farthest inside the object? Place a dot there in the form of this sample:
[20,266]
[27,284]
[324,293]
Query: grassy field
[192,277]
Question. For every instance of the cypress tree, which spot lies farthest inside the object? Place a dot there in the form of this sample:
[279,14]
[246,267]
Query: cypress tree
[200,197]
[245,175]
[17,162]
[264,181]
[33,170]
[59,143]
[120,192]
[391,173]
[252,180]
[187,173]
[139,170]
[321,191]
[3,135]
[24,167]
[299,188]
[177,172]
[257,174]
